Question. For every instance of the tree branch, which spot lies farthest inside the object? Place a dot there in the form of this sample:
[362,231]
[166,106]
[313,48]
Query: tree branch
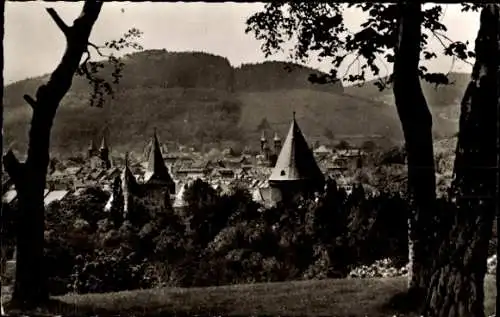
[59,22]
[12,166]
[438,36]
[348,69]
[49,96]
[97,48]
[83,70]
[32,102]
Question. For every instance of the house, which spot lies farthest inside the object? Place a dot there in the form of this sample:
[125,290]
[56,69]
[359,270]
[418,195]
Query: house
[225,173]
[56,195]
[192,172]
[322,151]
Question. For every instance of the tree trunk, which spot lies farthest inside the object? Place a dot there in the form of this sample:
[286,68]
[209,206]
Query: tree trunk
[457,285]
[2,17]
[29,178]
[416,122]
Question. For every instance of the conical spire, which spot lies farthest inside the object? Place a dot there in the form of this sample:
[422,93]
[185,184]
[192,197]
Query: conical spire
[157,170]
[128,179]
[296,161]
[104,143]
[104,153]
[129,185]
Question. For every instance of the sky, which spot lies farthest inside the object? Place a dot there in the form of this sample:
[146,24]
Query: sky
[33,45]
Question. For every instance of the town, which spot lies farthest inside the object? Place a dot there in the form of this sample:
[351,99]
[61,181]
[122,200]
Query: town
[309,159]
[175,169]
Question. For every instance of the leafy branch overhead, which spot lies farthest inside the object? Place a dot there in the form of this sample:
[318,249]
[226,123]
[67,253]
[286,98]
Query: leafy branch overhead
[319,30]
[91,69]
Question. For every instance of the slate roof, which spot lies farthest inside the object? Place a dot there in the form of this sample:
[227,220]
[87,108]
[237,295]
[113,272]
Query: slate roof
[296,161]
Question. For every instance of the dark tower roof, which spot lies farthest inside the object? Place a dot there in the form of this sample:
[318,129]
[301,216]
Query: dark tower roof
[129,185]
[296,161]
[128,179]
[157,171]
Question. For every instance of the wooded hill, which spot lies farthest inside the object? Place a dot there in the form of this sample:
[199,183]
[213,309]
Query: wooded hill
[198,98]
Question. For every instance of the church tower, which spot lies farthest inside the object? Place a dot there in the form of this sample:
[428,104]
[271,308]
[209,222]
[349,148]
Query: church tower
[92,149]
[157,171]
[104,153]
[263,142]
[129,186]
[277,143]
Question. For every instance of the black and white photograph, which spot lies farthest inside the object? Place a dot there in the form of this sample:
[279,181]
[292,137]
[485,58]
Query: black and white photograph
[301,158]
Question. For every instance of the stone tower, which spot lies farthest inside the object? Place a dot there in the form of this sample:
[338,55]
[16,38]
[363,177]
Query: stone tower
[277,143]
[296,170]
[92,149]
[157,171]
[104,153]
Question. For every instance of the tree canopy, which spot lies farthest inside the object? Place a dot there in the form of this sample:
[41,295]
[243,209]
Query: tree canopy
[319,30]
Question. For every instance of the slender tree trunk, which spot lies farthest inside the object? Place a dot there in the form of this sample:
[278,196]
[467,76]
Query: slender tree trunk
[416,122]
[2,17]
[29,178]
[457,285]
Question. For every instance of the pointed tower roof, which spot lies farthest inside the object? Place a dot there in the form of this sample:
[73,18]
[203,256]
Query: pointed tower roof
[129,185]
[104,143]
[296,161]
[128,178]
[156,170]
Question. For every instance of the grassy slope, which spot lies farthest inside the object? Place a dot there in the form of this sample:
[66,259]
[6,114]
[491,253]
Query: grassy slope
[346,116]
[443,100]
[133,114]
[441,96]
[342,297]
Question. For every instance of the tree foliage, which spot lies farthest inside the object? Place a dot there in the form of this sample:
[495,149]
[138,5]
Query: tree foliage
[91,70]
[236,240]
[319,30]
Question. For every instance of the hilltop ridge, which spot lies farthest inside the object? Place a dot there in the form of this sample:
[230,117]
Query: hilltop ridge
[200,99]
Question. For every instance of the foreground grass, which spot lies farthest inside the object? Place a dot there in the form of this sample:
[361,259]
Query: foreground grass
[342,297]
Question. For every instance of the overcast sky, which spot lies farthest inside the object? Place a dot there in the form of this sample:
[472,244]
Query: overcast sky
[33,44]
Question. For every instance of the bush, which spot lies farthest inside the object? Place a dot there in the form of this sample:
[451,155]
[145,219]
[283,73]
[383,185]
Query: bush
[220,240]
[110,271]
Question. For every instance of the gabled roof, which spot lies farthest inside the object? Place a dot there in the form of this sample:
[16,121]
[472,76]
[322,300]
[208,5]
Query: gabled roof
[322,149]
[9,196]
[55,195]
[296,161]
[156,170]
